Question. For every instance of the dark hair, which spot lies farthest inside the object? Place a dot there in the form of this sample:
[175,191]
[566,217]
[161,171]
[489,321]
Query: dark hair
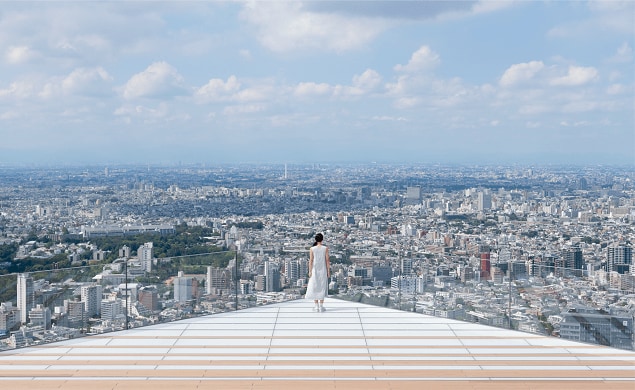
[318,238]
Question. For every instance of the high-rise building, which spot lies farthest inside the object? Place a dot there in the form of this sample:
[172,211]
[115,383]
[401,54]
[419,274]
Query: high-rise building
[272,277]
[406,267]
[76,312]
[124,251]
[484,201]
[112,309]
[149,297]
[485,264]
[91,296]
[146,254]
[183,288]
[217,279]
[413,195]
[26,296]
[619,258]
[571,262]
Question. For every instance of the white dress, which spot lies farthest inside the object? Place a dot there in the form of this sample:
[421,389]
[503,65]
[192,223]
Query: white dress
[318,283]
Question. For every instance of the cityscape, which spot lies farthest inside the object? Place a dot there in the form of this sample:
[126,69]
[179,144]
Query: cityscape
[539,249]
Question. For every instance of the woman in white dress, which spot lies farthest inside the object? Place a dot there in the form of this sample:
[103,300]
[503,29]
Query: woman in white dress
[319,273]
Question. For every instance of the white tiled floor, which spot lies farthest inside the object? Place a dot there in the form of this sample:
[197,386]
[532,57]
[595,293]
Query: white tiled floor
[288,345]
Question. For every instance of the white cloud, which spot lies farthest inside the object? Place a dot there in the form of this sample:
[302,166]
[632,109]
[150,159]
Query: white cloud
[158,80]
[421,60]
[367,81]
[18,90]
[287,26]
[388,118]
[624,53]
[218,90]
[20,54]
[87,81]
[576,75]
[520,73]
[243,109]
[307,89]
[615,89]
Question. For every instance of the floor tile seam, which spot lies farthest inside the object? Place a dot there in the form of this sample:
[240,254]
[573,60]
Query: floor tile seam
[564,365]
[326,376]
[321,365]
[282,359]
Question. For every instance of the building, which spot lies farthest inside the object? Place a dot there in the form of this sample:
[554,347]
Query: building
[570,263]
[619,258]
[406,267]
[413,195]
[145,253]
[91,296]
[272,277]
[217,280]
[40,316]
[149,298]
[9,317]
[76,313]
[598,327]
[26,296]
[484,201]
[183,288]
[112,309]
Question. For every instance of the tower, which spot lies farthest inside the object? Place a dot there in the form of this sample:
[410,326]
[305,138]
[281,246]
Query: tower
[26,296]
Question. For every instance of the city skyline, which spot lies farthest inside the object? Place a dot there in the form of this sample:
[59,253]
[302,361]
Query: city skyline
[408,81]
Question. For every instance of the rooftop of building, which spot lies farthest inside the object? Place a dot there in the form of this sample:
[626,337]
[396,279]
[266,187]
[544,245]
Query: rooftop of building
[288,346]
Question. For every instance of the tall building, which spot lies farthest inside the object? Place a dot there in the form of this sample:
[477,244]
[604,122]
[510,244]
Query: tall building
[218,279]
[272,277]
[149,298]
[112,309]
[26,296]
[571,262]
[486,272]
[183,288]
[146,254]
[406,267]
[76,312]
[413,195]
[619,258]
[484,201]
[91,296]
[124,251]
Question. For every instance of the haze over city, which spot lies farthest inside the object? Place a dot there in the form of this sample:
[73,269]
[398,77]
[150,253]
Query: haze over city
[420,81]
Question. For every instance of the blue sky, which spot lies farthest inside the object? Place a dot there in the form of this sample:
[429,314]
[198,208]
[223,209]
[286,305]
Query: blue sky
[293,81]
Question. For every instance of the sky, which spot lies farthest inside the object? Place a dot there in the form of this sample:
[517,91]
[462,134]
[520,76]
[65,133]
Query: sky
[503,82]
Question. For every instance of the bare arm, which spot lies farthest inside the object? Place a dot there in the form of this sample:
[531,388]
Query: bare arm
[328,264]
[310,262]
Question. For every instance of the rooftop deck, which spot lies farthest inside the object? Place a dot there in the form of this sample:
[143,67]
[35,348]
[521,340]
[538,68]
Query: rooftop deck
[350,346]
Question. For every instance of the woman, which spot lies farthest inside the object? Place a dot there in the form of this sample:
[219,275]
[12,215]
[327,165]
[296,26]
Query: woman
[319,273]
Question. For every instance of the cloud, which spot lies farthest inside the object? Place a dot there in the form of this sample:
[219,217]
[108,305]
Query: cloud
[158,80]
[307,89]
[218,90]
[421,60]
[243,109]
[576,76]
[520,73]
[624,53]
[87,81]
[20,54]
[289,26]
[367,81]
[18,90]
